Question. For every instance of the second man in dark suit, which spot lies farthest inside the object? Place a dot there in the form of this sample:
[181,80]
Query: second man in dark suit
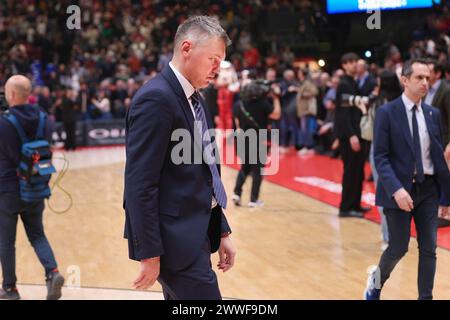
[414,178]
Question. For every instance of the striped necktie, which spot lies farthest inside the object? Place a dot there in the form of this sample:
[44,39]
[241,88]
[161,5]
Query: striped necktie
[219,190]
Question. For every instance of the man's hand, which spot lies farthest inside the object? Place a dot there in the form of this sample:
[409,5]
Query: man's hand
[149,273]
[226,254]
[335,144]
[325,128]
[292,89]
[354,143]
[444,212]
[404,200]
[275,89]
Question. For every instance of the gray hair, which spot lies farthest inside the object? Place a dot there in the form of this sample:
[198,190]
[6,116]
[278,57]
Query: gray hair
[200,28]
[407,69]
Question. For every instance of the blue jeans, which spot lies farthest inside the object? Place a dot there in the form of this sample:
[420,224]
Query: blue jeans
[307,128]
[289,131]
[384,227]
[11,207]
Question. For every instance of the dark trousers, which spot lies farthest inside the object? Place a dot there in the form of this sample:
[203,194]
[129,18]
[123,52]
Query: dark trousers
[425,214]
[11,207]
[352,180]
[255,171]
[196,282]
[70,129]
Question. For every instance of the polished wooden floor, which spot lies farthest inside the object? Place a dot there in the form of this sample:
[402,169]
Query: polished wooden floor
[292,248]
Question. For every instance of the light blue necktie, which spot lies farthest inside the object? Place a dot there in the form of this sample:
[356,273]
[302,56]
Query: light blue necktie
[219,190]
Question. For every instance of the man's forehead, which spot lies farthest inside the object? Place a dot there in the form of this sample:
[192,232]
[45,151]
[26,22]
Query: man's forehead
[219,55]
[421,69]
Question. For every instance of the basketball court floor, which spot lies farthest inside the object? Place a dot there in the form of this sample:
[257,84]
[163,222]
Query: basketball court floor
[295,247]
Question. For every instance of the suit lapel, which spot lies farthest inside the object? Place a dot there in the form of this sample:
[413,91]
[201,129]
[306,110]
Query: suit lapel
[403,118]
[171,78]
[428,114]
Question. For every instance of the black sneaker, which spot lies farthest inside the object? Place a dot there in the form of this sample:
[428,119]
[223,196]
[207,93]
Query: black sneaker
[54,281]
[363,209]
[9,294]
[351,214]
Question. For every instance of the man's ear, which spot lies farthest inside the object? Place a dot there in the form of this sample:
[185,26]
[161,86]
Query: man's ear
[186,47]
[403,80]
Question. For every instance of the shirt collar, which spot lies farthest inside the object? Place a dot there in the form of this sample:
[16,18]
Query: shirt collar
[409,104]
[185,84]
[364,76]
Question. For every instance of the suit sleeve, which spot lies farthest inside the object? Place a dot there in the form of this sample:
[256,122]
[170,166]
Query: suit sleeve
[149,126]
[224,226]
[387,176]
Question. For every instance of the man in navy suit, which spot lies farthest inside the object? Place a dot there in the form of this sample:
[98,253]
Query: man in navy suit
[174,211]
[414,178]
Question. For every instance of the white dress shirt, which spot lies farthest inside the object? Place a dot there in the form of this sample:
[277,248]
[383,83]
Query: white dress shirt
[425,142]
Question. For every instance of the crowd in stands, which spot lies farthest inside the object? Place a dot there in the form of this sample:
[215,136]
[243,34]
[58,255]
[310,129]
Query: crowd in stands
[124,43]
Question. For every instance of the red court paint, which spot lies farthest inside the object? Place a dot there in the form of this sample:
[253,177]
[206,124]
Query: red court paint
[320,177]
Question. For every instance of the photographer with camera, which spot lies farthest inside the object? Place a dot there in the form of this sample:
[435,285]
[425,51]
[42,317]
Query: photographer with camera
[353,146]
[252,113]
[388,89]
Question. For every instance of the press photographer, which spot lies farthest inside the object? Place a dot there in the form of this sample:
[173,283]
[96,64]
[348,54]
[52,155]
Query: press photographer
[259,102]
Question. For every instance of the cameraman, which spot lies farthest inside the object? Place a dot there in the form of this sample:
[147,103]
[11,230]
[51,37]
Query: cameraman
[253,112]
[17,91]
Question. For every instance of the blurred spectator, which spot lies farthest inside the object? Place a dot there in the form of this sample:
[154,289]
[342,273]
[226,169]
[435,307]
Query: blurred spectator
[45,100]
[439,96]
[289,130]
[306,112]
[366,82]
[103,105]
[69,118]
[325,132]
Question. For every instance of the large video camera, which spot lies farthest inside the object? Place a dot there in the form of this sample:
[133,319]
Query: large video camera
[256,89]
